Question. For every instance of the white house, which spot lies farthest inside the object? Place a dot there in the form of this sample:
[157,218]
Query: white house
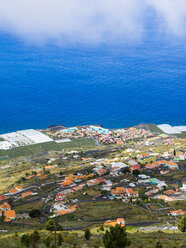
[183,188]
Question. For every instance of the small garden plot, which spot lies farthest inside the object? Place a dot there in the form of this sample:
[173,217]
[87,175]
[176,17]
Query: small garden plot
[153,207]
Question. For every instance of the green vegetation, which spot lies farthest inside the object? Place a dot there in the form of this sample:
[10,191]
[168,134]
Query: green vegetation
[51,225]
[182,224]
[34,213]
[153,128]
[94,206]
[94,212]
[116,237]
[48,146]
[181,135]
[87,234]
[77,239]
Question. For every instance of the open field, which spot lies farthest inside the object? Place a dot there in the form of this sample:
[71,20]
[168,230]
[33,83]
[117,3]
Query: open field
[181,135]
[153,128]
[76,239]
[93,212]
[48,146]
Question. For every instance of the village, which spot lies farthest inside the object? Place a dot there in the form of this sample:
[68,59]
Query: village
[134,177]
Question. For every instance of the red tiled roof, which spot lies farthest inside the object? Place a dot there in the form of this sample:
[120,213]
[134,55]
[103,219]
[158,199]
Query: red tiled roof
[169,192]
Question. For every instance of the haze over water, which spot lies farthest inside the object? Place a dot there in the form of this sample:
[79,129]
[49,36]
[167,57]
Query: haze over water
[116,84]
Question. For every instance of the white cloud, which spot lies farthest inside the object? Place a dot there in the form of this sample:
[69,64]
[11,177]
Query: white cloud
[172,14]
[88,20]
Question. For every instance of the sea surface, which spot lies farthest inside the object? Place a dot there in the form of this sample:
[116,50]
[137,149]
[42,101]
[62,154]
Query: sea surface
[117,85]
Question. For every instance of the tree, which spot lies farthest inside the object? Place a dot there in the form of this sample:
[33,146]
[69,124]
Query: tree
[125,170]
[159,245]
[51,225]
[116,237]
[101,228]
[2,218]
[144,197]
[87,234]
[48,241]
[182,224]
[34,238]
[25,240]
[23,179]
[34,173]
[136,172]
[34,213]
[174,153]
[59,239]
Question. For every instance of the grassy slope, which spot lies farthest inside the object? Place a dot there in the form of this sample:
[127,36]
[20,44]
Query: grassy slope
[153,128]
[44,147]
[76,239]
[94,212]
[181,135]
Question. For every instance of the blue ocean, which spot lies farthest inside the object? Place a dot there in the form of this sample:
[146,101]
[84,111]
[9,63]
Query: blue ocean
[117,85]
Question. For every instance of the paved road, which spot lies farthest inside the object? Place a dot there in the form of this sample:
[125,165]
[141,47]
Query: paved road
[157,228]
[128,224]
[22,191]
[29,201]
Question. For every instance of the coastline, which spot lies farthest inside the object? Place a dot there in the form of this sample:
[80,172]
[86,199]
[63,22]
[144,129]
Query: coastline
[92,124]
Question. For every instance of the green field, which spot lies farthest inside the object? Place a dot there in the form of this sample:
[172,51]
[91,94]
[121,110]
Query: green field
[94,212]
[181,135]
[153,128]
[29,150]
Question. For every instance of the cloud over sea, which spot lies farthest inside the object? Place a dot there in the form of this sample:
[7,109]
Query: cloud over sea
[90,21]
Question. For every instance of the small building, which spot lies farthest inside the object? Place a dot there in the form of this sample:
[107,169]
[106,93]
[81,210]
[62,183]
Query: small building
[183,188]
[135,167]
[163,172]
[119,191]
[119,165]
[131,192]
[69,210]
[171,165]
[101,172]
[169,192]
[177,212]
[143,176]
[10,215]
[67,182]
[132,162]
[25,194]
[43,177]
[5,206]
[119,221]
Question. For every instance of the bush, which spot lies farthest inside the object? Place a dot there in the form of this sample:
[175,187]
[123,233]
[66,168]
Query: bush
[48,241]
[59,239]
[51,225]
[25,240]
[182,224]
[158,245]
[101,228]
[116,237]
[34,213]
[87,234]
[30,240]
[34,238]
